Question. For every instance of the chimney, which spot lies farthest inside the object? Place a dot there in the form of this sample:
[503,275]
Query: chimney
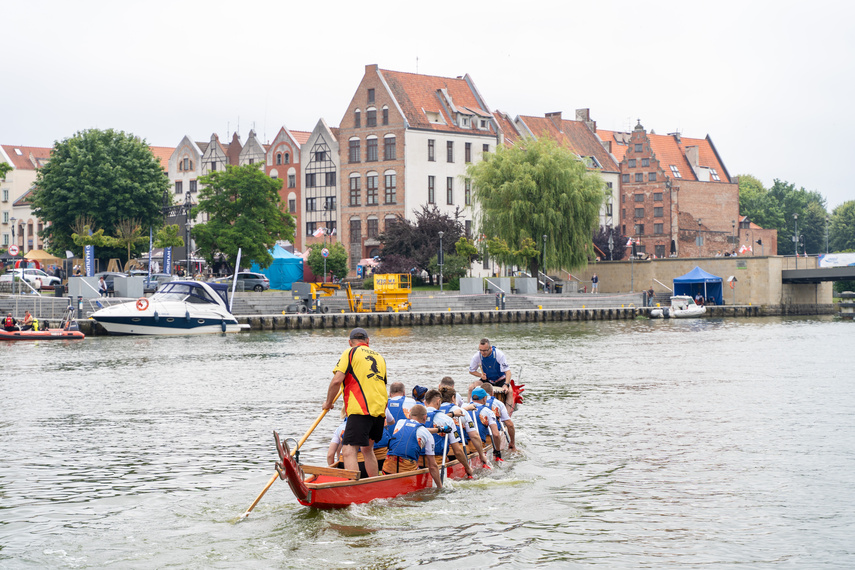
[555,117]
[692,155]
[676,137]
[371,68]
[584,115]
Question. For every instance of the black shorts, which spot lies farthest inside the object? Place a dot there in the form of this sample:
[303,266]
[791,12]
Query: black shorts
[359,429]
[498,383]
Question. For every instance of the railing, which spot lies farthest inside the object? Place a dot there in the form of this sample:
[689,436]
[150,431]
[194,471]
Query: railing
[541,274]
[664,285]
[487,280]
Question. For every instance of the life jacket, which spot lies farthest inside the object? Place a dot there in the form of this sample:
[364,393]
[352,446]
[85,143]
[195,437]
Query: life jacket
[438,438]
[384,441]
[405,442]
[35,324]
[491,403]
[490,366]
[483,429]
[446,409]
[9,322]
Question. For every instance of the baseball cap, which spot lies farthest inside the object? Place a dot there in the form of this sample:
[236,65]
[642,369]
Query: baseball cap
[419,392]
[358,334]
[479,393]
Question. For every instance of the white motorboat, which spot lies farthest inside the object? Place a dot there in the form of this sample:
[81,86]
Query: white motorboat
[682,307]
[178,307]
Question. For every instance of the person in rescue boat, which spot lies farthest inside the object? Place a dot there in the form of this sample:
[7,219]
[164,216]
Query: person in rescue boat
[492,363]
[411,440]
[334,450]
[362,372]
[450,408]
[10,323]
[486,422]
[503,418]
[438,418]
[398,407]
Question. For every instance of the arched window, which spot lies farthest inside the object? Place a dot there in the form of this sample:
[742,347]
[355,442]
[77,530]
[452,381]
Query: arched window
[357,118]
[286,158]
[389,151]
[278,158]
[355,190]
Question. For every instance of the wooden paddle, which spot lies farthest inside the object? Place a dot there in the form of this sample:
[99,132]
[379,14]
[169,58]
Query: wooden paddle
[293,451]
[444,460]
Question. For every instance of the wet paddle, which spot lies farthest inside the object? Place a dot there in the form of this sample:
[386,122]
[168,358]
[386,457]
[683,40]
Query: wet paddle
[444,460]
[293,451]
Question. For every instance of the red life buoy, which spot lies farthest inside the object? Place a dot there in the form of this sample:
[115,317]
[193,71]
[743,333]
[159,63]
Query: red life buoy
[142,304]
[731,284]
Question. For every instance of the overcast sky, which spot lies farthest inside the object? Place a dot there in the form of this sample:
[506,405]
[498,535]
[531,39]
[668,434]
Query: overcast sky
[770,82]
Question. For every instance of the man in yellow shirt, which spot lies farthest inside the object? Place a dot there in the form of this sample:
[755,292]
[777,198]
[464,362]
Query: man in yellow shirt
[362,371]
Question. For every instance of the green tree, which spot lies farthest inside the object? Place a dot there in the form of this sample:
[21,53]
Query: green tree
[537,188]
[167,236]
[465,248]
[756,203]
[244,212]
[106,175]
[5,169]
[791,200]
[336,262]
[842,228]
[128,234]
[453,267]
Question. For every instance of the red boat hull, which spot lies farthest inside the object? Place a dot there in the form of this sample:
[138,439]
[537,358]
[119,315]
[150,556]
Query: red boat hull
[329,492]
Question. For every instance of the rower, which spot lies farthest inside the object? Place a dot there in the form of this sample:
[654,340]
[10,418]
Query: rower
[456,413]
[502,415]
[449,381]
[398,406]
[419,394]
[485,420]
[437,418]
[334,458]
[411,440]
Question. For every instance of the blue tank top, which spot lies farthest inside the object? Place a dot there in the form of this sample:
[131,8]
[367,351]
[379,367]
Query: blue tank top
[396,408]
[404,443]
[483,430]
[438,439]
[490,402]
[490,366]
[446,409]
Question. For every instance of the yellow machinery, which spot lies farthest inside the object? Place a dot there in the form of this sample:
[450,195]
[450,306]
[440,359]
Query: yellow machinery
[391,294]
[307,296]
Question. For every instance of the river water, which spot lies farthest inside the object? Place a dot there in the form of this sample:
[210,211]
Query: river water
[644,444]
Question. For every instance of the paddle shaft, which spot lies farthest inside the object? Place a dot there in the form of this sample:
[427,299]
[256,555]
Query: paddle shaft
[444,459]
[293,451]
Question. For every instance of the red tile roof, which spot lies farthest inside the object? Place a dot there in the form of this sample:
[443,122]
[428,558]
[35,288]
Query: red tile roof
[162,153]
[420,94]
[669,150]
[28,154]
[575,136]
[302,137]
[507,127]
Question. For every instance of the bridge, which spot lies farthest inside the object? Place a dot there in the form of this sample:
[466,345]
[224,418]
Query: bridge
[804,276]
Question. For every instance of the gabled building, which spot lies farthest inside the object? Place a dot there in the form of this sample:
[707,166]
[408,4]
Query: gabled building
[320,161]
[253,152]
[17,218]
[283,161]
[405,142]
[184,168]
[579,137]
[676,196]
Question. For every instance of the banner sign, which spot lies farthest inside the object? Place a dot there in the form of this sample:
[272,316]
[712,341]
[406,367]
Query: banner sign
[837,260]
[167,260]
[89,260]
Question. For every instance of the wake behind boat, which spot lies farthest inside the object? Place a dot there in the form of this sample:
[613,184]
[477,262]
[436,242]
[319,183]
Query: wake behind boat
[179,307]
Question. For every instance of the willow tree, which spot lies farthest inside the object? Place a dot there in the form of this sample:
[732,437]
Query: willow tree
[535,189]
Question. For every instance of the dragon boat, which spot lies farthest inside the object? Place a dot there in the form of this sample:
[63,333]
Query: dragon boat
[333,488]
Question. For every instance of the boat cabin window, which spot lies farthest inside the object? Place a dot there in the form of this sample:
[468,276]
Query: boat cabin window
[184,292]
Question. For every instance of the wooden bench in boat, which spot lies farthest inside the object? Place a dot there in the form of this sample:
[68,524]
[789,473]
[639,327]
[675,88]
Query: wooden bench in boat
[330,472]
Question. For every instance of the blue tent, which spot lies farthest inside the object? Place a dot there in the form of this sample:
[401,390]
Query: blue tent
[285,269]
[699,281]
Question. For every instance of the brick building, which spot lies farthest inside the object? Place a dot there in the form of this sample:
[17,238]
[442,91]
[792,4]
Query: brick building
[406,140]
[283,161]
[676,196]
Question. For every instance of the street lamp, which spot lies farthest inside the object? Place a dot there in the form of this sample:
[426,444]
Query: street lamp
[611,243]
[826,234]
[13,219]
[440,260]
[796,237]
[733,234]
[544,263]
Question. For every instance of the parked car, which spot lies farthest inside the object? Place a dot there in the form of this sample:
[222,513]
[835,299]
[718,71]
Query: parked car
[247,281]
[156,280]
[30,275]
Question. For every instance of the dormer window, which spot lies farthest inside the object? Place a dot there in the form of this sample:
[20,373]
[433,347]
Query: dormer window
[484,124]
[434,117]
[464,121]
